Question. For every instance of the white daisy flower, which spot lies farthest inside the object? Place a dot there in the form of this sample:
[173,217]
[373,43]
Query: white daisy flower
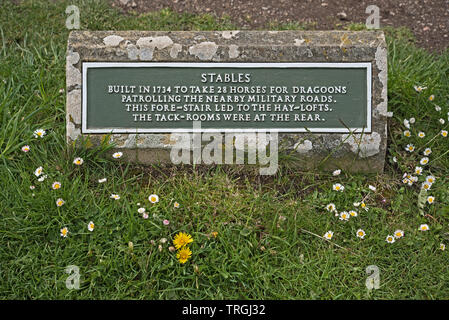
[419,88]
[361,234]
[330,207]
[78,161]
[90,226]
[410,148]
[390,239]
[398,234]
[328,235]
[372,188]
[64,231]
[427,151]
[176,205]
[426,185]
[153,198]
[407,133]
[60,202]
[412,120]
[56,185]
[39,133]
[430,179]
[102,180]
[145,215]
[26,148]
[338,187]
[141,210]
[114,196]
[441,121]
[363,206]
[424,227]
[442,246]
[395,160]
[32,187]
[444,133]
[38,171]
[42,178]
[344,216]
[407,123]
[336,172]
[432,97]
[353,213]
[117,155]
[421,134]
[424,161]
[430,199]
[437,108]
[418,170]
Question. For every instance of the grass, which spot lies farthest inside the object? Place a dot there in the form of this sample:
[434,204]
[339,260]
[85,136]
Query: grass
[268,244]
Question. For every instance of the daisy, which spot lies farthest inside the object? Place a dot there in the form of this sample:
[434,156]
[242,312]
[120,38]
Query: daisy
[182,239]
[407,133]
[78,161]
[344,216]
[437,108]
[184,254]
[410,148]
[441,121]
[166,222]
[353,213]
[153,198]
[390,239]
[336,172]
[419,88]
[430,179]
[407,123]
[56,185]
[90,226]
[145,215]
[32,187]
[395,160]
[442,246]
[117,155]
[426,185]
[363,206]
[330,207]
[141,210]
[398,234]
[427,151]
[444,133]
[115,196]
[176,205]
[405,181]
[338,187]
[64,232]
[328,235]
[430,199]
[42,178]
[418,170]
[102,180]
[424,161]
[163,240]
[421,134]
[361,234]
[60,202]
[38,171]
[26,148]
[432,97]
[39,133]
[372,188]
[424,227]
[412,120]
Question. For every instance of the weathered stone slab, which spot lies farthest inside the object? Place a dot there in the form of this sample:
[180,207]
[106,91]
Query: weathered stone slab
[362,151]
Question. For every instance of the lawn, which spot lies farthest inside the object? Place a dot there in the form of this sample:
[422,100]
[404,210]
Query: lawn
[254,237]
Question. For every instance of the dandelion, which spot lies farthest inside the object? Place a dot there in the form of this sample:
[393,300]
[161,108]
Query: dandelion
[176,205]
[353,213]
[117,155]
[360,234]
[102,180]
[328,235]
[442,246]
[390,239]
[372,188]
[398,234]
[418,170]
[432,97]
[444,133]
[427,151]
[141,210]
[78,161]
[60,202]
[56,185]
[90,226]
[424,227]
[39,133]
[153,198]
[410,148]
[430,199]
[166,222]
[430,179]
[424,161]
[336,172]
[338,187]
[114,196]
[64,231]
[330,207]
[214,234]
[407,133]
[344,216]
[182,239]
[38,171]
[26,148]
[184,254]
[421,134]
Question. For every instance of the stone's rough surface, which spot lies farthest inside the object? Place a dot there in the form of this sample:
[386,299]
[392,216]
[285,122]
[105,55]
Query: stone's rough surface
[360,152]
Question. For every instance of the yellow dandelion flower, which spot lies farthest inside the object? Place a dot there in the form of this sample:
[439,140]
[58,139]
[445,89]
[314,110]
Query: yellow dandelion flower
[184,254]
[182,239]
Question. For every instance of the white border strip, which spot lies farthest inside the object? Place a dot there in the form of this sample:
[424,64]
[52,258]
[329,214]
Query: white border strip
[87,65]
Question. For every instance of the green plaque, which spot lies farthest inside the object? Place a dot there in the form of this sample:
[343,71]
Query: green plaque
[144,97]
